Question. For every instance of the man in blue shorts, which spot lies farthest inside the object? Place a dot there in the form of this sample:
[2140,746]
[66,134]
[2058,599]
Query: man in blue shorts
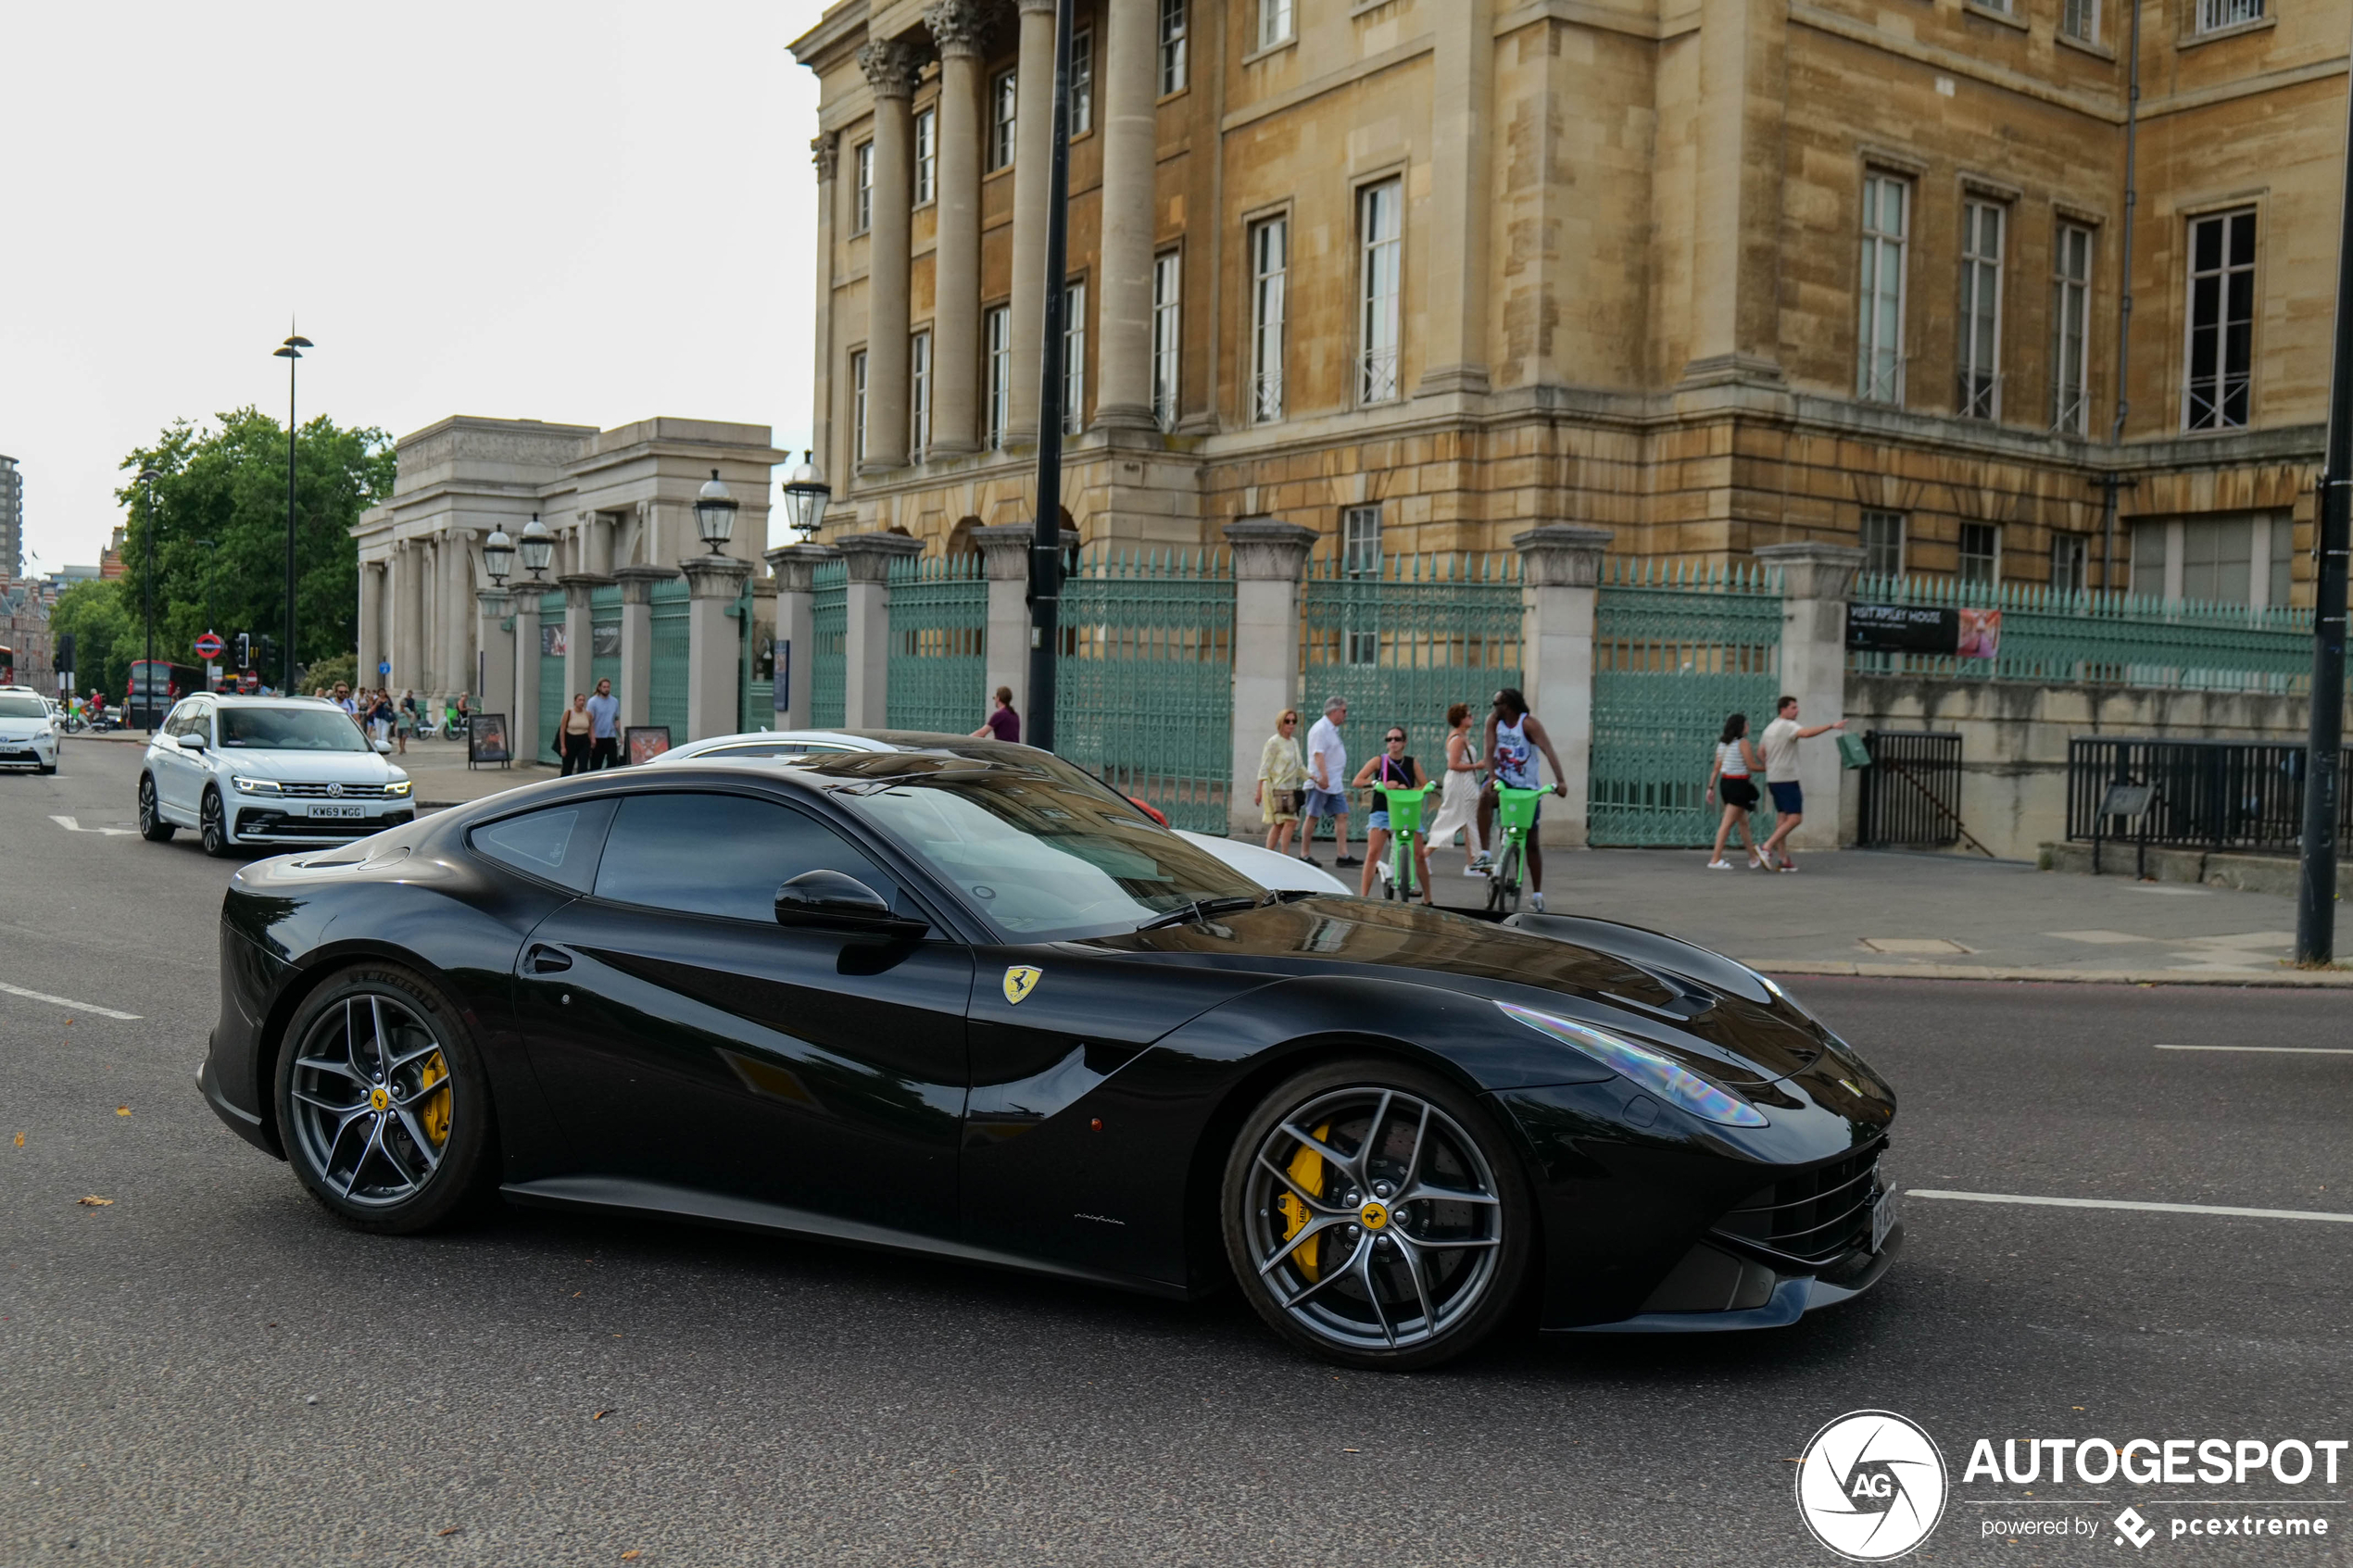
[1780,776]
[1327,782]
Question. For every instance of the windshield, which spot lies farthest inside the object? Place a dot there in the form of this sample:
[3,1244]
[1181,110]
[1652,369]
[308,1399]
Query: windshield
[1041,860]
[289,729]
[24,708]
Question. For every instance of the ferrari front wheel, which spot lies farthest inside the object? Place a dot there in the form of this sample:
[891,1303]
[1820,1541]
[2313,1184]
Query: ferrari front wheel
[1373,1215]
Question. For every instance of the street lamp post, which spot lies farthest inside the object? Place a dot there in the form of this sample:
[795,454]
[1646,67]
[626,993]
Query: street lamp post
[1046,548]
[806,494]
[538,547]
[290,351]
[148,594]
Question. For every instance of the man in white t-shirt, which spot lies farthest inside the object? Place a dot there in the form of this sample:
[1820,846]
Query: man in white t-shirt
[1327,782]
[1779,745]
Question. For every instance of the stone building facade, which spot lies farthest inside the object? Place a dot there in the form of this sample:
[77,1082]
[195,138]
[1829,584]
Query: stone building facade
[1714,274]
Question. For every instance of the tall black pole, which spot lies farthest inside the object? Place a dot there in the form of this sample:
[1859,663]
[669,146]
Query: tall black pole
[147,597]
[1046,548]
[293,356]
[2316,887]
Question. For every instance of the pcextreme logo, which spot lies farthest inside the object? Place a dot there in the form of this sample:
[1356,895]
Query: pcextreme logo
[1871,1485]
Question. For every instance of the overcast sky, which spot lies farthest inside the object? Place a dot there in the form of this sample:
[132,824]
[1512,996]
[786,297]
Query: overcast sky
[576,211]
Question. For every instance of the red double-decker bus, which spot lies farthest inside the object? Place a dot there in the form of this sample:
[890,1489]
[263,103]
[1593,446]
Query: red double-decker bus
[153,686]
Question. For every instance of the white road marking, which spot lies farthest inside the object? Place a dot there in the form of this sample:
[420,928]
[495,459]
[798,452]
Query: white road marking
[66,1002]
[2285,1050]
[73,824]
[2123,1203]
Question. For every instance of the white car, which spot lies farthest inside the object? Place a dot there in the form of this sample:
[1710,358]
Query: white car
[28,732]
[252,770]
[1262,865]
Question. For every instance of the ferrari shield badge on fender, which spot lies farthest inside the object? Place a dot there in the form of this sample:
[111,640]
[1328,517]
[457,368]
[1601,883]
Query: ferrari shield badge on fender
[1020,980]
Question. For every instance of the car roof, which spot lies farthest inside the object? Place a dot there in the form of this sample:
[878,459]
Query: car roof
[240,699]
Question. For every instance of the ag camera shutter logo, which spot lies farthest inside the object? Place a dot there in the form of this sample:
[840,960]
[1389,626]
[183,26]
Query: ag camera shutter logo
[1871,1485]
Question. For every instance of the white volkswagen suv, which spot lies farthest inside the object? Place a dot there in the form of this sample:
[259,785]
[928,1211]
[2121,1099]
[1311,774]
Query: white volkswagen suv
[251,770]
[28,731]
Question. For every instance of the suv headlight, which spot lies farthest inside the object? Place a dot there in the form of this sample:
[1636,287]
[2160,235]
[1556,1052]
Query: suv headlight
[255,787]
[398,788]
[1669,1080]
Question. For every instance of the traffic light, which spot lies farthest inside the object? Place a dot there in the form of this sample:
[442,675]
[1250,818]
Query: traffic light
[244,651]
[63,657]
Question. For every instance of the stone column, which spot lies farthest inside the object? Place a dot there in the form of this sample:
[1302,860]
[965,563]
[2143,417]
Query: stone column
[497,653]
[524,737]
[1033,146]
[825,151]
[1560,566]
[1268,558]
[1004,552]
[577,586]
[890,65]
[956,28]
[1463,70]
[866,669]
[596,543]
[456,595]
[1737,200]
[371,635]
[714,582]
[637,639]
[1131,152]
[795,567]
[407,618]
[1816,580]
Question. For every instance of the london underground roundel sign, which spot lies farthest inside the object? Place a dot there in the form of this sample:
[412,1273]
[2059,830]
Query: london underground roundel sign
[209,646]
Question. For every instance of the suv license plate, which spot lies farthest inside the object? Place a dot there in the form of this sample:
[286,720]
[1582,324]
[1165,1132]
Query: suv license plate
[1882,1217]
[343,814]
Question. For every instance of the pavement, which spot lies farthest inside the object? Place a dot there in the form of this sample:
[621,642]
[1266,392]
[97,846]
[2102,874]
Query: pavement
[207,1369]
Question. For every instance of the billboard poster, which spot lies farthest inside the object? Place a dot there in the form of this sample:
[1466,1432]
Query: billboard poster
[1929,629]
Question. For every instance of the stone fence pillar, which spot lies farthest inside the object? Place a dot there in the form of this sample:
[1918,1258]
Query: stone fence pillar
[578,637]
[865,698]
[1560,571]
[714,582]
[795,570]
[1004,552]
[523,739]
[1268,559]
[497,652]
[637,640]
[1817,580]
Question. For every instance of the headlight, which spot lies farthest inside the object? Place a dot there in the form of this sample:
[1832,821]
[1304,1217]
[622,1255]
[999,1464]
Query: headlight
[1669,1080]
[255,787]
[398,787]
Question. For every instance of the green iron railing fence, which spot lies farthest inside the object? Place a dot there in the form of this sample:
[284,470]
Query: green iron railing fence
[938,623]
[830,630]
[666,701]
[1145,684]
[2104,639]
[755,618]
[553,699]
[1677,647]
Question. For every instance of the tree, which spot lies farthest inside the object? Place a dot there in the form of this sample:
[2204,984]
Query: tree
[105,630]
[220,525]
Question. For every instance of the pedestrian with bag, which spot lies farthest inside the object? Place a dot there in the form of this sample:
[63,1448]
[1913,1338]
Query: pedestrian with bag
[604,728]
[1734,771]
[1780,776]
[406,724]
[1458,800]
[1326,783]
[573,733]
[1392,767]
[1281,778]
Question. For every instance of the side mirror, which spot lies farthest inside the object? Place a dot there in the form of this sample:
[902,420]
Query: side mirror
[836,901]
[193,742]
[384,748]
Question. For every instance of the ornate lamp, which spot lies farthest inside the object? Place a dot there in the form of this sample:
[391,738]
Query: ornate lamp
[498,556]
[806,494]
[715,514]
[538,547]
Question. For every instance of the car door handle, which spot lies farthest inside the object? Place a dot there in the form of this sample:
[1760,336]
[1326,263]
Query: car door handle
[546,960]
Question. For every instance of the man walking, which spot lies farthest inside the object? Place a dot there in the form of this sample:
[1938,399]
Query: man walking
[1780,776]
[1328,782]
[1514,738]
[604,728]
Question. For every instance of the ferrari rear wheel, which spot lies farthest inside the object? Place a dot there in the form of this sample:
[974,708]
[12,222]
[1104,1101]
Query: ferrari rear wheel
[1375,1216]
[382,1102]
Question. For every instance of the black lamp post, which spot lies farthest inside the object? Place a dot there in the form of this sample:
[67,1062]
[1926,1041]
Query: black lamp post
[806,494]
[290,351]
[147,596]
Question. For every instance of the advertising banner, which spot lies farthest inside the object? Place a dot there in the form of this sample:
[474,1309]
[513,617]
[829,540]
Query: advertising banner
[1930,628]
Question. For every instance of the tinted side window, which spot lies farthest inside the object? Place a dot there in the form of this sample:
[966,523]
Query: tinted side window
[721,854]
[557,845]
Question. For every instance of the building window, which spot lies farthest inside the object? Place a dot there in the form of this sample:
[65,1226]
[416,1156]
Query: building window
[2215,15]
[1073,358]
[1000,323]
[2216,559]
[1172,46]
[1380,227]
[2282,554]
[862,182]
[1274,22]
[1360,557]
[2070,320]
[1980,553]
[2079,19]
[1082,81]
[1269,265]
[1981,349]
[1003,100]
[858,407]
[926,155]
[2221,320]
[1882,543]
[1880,350]
[1167,340]
[2148,558]
[918,395]
[2070,574]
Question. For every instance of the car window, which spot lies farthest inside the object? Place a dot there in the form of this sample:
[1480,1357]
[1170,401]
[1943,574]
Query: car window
[710,854]
[774,748]
[21,708]
[557,845]
[291,729]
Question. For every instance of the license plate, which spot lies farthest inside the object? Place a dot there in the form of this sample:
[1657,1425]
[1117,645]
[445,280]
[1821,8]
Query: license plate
[341,813]
[1882,1216]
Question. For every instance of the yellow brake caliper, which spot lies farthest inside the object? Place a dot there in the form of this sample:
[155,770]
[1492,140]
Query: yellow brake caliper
[1306,1169]
[434,1118]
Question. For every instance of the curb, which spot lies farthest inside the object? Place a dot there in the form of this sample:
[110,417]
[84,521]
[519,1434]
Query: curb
[2315,980]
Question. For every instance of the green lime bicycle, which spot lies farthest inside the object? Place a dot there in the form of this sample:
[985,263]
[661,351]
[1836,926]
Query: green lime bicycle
[1405,831]
[1515,815]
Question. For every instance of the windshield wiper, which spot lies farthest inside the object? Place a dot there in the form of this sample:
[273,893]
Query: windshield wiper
[1200,910]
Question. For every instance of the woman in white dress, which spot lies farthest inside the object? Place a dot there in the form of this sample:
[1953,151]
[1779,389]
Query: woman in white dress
[1458,801]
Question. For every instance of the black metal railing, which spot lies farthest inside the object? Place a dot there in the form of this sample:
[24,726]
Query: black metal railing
[1911,791]
[2202,794]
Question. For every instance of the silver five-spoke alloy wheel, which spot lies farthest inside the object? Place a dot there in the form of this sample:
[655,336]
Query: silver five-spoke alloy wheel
[371,1098]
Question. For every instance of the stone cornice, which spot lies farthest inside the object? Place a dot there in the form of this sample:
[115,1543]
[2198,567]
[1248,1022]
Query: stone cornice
[828,44]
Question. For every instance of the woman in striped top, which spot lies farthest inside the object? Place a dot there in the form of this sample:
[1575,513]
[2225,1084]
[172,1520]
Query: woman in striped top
[1736,762]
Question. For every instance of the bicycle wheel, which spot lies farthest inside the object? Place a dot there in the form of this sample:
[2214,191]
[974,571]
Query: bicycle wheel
[1502,885]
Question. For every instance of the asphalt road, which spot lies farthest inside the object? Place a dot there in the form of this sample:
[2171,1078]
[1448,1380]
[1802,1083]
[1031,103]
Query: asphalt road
[210,1370]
